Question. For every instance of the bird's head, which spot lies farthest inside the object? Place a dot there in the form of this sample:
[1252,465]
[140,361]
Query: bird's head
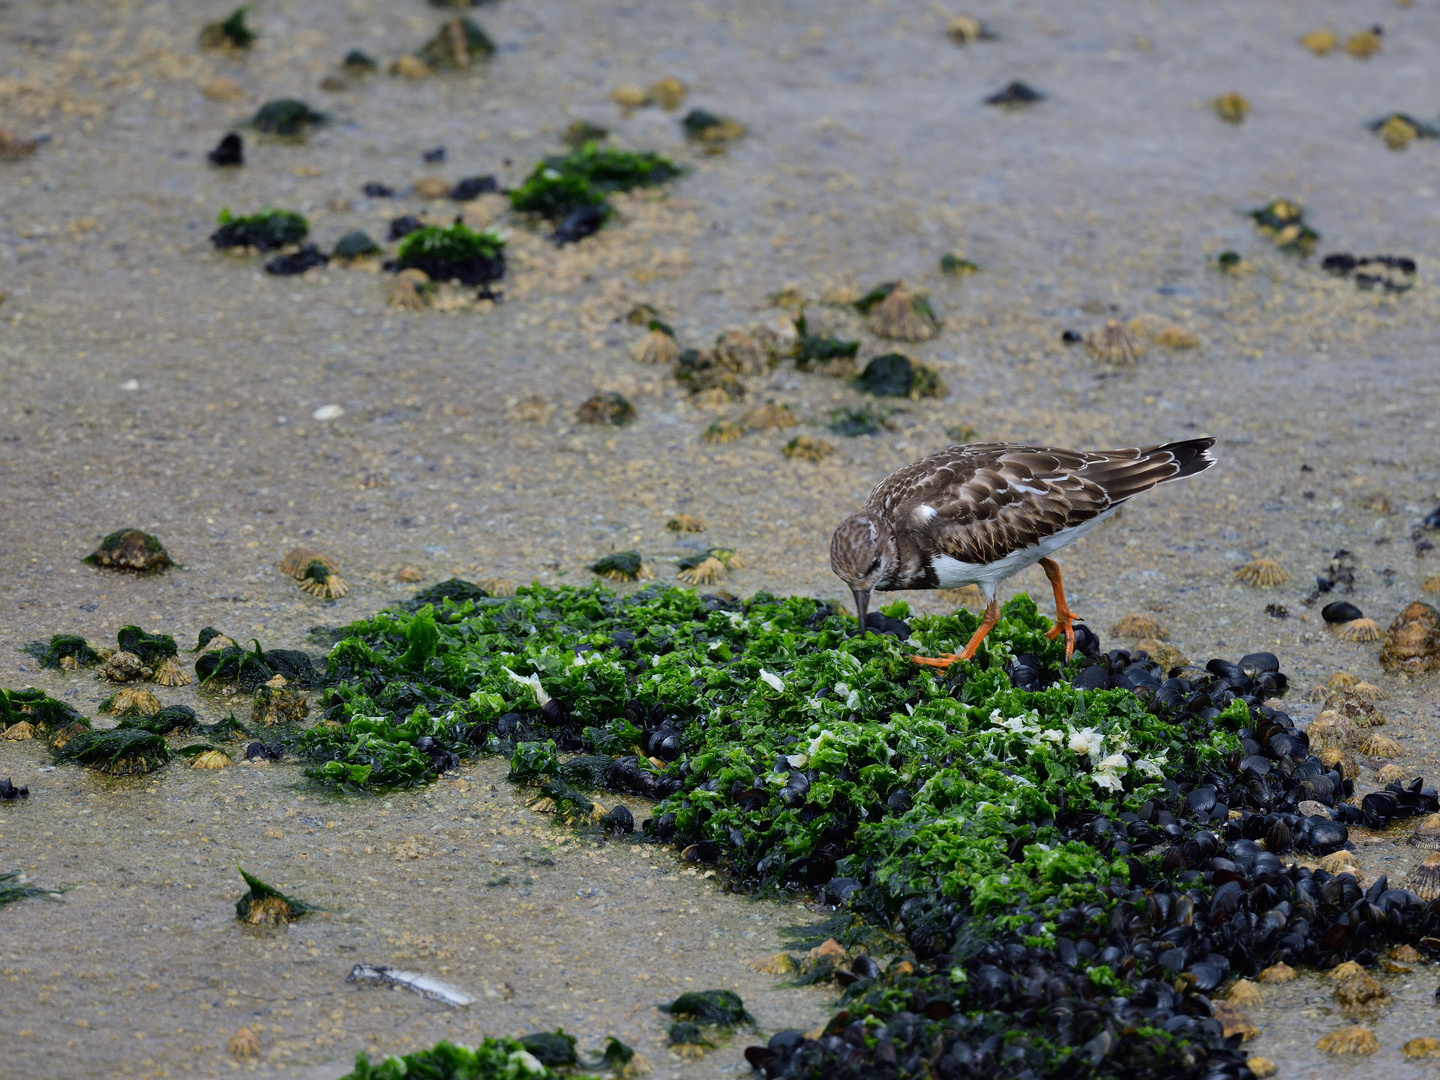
[863,553]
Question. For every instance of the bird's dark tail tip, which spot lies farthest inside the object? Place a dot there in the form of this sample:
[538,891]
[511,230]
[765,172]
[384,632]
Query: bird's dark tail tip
[1191,455]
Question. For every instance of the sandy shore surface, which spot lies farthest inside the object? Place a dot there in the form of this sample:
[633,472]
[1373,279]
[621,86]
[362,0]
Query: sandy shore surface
[150,381]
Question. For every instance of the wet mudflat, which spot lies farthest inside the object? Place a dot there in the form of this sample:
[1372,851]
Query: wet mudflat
[152,381]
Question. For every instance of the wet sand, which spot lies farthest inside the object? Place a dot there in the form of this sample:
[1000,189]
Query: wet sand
[151,381]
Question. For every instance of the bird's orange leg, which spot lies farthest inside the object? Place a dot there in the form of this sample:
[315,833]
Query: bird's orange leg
[1064,617]
[992,616]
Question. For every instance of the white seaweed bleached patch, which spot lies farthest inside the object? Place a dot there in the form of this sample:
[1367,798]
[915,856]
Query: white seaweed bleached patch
[424,985]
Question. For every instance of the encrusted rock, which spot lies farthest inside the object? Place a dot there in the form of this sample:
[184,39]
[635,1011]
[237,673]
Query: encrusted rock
[1412,644]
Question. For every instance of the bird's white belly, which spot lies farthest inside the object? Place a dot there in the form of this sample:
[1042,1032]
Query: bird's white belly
[951,573]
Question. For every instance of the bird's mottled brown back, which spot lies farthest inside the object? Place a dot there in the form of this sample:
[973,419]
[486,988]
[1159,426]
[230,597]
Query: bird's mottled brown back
[994,498]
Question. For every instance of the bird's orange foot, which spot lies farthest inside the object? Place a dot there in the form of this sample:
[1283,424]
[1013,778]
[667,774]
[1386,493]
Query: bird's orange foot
[941,662]
[1064,625]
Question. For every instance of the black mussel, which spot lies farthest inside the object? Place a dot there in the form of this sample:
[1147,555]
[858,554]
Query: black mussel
[1322,835]
[1258,662]
[556,712]
[899,800]
[230,151]
[865,968]
[507,724]
[619,820]
[992,986]
[1092,678]
[1341,611]
[1256,763]
[403,226]
[262,752]
[1087,642]
[9,792]
[1224,669]
[377,190]
[1202,798]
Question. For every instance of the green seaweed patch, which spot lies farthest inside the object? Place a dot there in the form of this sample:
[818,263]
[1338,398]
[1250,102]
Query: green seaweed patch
[264,905]
[553,1049]
[250,668]
[875,296]
[619,566]
[455,252]
[289,117]
[896,375]
[62,647]
[852,423]
[38,709]
[356,244]
[580,132]
[150,648]
[562,184]
[816,350]
[1283,221]
[118,752]
[955,266]
[231,33]
[688,1033]
[494,1059]
[13,887]
[704,126]
[266,230]
[171,720]
[711,1008]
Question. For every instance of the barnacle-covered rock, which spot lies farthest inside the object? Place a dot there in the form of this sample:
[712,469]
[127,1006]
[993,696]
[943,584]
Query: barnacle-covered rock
[1261,1068]
[1363,44]
[131,701]
[1139,626]
[767,417]
[893,311]
[1114,344]
[706,127]
[629,96]
[1173,337]
[966,29]
[1283,221]
[411,67]
[1320,42]
[668,93]
[1355,707]
[132,550]
[656,347]
[1349,1040]
[243,1044]
[1340,862]
[1233,1021]
[686,523]
[1262,573]
[622,566]
[1412,643]
[457,44]
[722,431]
[1245,994]
[779,964]
[1423,1046]
[699,371]
[609,407]
[1278,973]
[123,667]
[1332,728]
[737,351]
[20,732]
[1232,108]
[804,448]
[1162,653]
[279,704]
[1358,992]
[263,905]
[896,375]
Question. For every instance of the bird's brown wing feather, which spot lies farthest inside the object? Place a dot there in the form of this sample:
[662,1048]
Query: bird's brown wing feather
[994,498]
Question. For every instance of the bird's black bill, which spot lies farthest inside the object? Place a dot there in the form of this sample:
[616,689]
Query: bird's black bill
[862,603]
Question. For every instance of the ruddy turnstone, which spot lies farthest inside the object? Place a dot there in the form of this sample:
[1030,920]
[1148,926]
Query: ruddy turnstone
[980,513]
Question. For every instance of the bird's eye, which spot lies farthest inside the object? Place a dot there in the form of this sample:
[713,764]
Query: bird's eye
[873,567]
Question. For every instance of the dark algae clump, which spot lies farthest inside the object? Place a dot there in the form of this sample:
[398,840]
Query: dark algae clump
[1283,222]
[232,33]
[263,231]
[561,185]
[1075,856]
[287,116]
[263,905]
[119,751]
[494,1059]
[454,253]
[711,1008]
[66,651]
[456,44]
[13,887]
[230,150]
[132,549]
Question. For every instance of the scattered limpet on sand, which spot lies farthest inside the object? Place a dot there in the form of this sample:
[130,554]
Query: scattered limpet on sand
[432,187]
[630,96]
[687,1041]
[686,523]
[779,964]
[1430,583]
[705,571]
[1424,1046]
[169,672]
[622,566]
[409,574]
[668,93]
[1113,344]
[1398,130]
[1262,1068]
[1364,44]
[410,290]
[211,759]
[1407,954]
[320,580]
[623,1061]
[1139,626]
[1332,729]
[1262,573]
[1353,1039]
[497,586]
[722,431]
[1380,746]
[893,311]
[289,117]
[1277,973]
[1427,832]
[359,62]
[456,44]
[1232,108]
[579,132]
[1335,757]
[229,33]
[1245,994]
[737,351]
[703,126]
[1359,630]
[1340,862]
[1320,42]
[768,417]
[804,448]
[608,407]
[14,146]
[1424,880]
[243,1044]
[658,346]
[966,30]
[298,560]
[132,550]
[263,905]
[1389,774]
[1173,337]
[530,409]
[411,67]
[1017,95]
[1283,221]
[1412,643]
[20,732]
[131,701]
